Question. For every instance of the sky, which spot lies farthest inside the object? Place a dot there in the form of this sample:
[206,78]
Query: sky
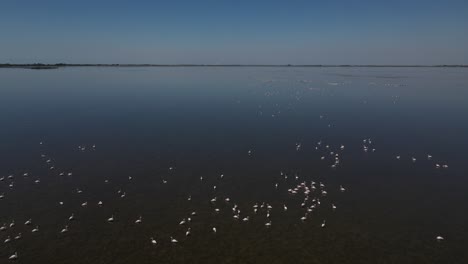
[235,32]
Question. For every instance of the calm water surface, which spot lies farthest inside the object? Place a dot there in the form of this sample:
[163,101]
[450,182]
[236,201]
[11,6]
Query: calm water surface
[255,126]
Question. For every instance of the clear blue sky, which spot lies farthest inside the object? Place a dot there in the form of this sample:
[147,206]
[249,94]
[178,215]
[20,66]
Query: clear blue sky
[237,31]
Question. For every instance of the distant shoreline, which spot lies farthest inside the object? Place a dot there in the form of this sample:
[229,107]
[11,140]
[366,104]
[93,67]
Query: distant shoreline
[42,66]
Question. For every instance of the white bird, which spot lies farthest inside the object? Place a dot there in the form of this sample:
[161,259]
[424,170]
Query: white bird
[100,203]
[323,224]
[342,189]
[333,206]
[28,222]
[214,230]
[64,230]
[268,224]
[110,219]
[182,222]
[14,256]
[439,238]
[138,221]
[3,227]
[245,219]
[8,239]
[36,229]
[153,241]
[72,217]
[12,224]
[285,208]
[18,236]
[188,232]
[173,240]
[84,204]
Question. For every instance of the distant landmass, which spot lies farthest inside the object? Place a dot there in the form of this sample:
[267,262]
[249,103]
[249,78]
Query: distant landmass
[42,66]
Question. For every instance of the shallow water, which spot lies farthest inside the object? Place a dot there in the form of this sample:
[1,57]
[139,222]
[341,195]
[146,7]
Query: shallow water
[180,124]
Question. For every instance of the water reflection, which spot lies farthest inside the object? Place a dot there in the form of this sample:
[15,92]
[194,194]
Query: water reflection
[233,165]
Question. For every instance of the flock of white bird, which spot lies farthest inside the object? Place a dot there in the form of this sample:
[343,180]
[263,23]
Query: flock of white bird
[313,195]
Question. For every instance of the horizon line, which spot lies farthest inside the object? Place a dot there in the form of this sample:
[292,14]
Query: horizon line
[57,65]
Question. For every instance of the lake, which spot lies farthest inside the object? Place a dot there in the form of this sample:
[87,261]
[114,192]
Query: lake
[370,163]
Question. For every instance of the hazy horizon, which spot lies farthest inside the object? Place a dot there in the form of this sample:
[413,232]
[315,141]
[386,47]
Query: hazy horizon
[219,32]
